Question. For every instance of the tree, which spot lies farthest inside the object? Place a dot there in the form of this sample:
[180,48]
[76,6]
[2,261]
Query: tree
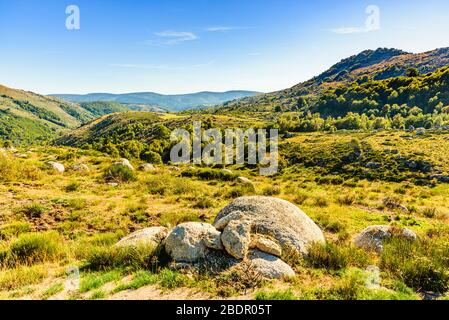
[412,72]
[152,157]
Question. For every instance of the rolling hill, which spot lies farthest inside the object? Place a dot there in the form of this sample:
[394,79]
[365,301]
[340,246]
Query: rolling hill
[380,64]
[169,102]
[26,117]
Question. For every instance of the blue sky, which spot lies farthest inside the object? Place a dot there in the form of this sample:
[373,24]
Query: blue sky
[182,46]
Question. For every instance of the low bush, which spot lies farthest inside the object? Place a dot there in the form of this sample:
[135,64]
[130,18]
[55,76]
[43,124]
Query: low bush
[34,210]
[272,191]
[422,265]
[129,258]
[21,276]
[286,295]
[14,229]
[334,257]
[120,174]
[72,187]
[210,174]
[30,248]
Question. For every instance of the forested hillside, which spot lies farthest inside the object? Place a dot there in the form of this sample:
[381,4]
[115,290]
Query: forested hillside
[369,65]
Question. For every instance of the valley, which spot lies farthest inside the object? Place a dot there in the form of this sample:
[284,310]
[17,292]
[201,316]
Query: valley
[358,209]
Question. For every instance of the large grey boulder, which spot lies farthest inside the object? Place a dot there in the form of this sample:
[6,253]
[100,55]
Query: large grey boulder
[269,266]
[277,219]
[373,237]
[186,242]
[56,166]
[123,163]
[151,237]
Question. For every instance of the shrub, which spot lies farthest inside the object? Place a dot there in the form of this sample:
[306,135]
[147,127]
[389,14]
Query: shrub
[152,157]
[132,258]
[172,279]
[333,257]
[286,295]
[18,277]
[330,225]
[14,229]
[34,210]
[421,265]
[72,187]
[31,248]
[301,197]
[346,200]
[13,169]
[238,280]
[120,174]
[272,191]
[321,201]
[429,212]
[204,203]
[240,191]
[210,174]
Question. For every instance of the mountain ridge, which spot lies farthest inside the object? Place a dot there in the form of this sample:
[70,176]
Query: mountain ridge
[170,102]
[395,63]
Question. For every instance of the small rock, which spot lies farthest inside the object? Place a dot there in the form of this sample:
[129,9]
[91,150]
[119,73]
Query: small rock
[420,131]
[227,171]
[244,180]
[147,167]
[236,238]
[123,163]
[151,237]
[56,166]
[372,238]
[269,266]
[212,240]
[113,184]
[267,245]
[223,222]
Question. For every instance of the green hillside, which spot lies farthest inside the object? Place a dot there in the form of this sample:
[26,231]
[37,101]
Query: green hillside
[369,65]
[27,118]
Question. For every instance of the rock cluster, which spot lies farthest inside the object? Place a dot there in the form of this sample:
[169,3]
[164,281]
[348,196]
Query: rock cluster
[255,230]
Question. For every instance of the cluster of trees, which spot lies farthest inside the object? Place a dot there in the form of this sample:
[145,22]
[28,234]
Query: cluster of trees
[298,122]
[405,96]
[155,151]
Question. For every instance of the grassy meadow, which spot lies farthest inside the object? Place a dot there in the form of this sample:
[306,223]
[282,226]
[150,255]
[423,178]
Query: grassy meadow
[50,222]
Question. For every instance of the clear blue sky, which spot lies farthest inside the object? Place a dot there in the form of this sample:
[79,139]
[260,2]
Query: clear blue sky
[182,46]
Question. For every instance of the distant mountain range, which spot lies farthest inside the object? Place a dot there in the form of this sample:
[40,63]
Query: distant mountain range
[177,102]
[27,117]
[374,82]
